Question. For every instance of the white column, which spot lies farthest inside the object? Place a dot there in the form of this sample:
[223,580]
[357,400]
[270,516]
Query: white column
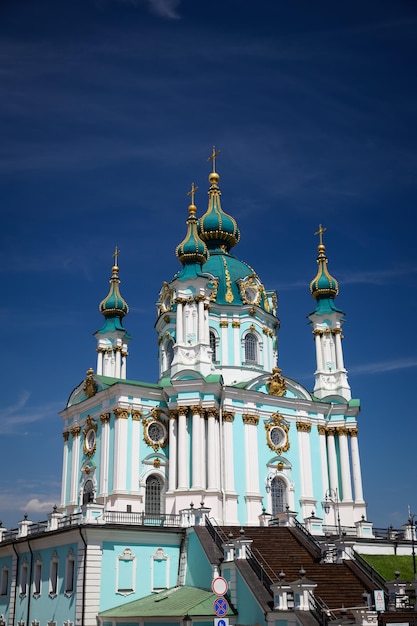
[104,455]
[75,460]
[304,429]
[64,469]
[229,474]
[180,321]
[301,459]
[196,448]
[183,456]
[356,465]
[337,332]
[99,361]
[118,364]
[173,442]
[251,452]
[224,343]
[200,307]
[203,449]
[135,439]
[319,355]
[236,342]
[323,456]
[124,362]
[331,447]
[344,464]
[120,449]
[212,464]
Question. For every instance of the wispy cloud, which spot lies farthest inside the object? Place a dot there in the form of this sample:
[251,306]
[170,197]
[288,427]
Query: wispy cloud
[13,417]
[384,366]
[378,277]
[165,8]
[37,506]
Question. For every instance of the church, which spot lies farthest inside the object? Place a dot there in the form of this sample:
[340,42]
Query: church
[168,485]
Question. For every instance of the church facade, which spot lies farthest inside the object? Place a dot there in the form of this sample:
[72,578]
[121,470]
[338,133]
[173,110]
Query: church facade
[222,434]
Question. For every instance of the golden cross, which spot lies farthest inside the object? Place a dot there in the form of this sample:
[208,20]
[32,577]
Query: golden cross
[192,192]
[116,255]
[320,232]
[212,157]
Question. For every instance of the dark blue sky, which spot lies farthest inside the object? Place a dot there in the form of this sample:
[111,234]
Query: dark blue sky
[108,111]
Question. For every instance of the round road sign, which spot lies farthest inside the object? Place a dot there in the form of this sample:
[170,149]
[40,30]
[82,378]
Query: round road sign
[220,607]
[219,586]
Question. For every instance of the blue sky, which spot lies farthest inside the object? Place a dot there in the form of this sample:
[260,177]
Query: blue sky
[108,111]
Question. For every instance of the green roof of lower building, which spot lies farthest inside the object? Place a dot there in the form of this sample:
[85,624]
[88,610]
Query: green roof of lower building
[174,602]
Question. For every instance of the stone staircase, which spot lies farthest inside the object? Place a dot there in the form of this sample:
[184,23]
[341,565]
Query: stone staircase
[288,550]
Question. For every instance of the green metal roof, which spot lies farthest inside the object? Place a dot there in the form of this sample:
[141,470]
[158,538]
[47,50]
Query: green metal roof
[174,602]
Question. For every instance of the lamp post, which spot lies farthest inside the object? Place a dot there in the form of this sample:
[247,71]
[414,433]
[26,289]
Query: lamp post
[331,496]
[412,526]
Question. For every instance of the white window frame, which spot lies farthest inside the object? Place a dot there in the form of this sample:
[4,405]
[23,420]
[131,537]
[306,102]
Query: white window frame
[4,584]
[53,576]
[37,577]
[24,576]
[69,573]
[257,348]
[160,556]
[127,555]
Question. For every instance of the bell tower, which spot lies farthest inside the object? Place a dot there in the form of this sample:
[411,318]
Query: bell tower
[327,320]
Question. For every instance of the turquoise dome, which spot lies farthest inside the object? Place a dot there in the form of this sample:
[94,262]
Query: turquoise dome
[231,274]
[215,227]
[323,284]
[113,304]
[192,249]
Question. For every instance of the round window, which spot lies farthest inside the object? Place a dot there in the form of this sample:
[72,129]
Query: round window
[90,439]
[156,432]
[277,436]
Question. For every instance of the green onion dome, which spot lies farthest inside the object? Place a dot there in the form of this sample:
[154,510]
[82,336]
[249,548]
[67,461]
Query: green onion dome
[215,227]
[323,286]
[113,304]
[192,250]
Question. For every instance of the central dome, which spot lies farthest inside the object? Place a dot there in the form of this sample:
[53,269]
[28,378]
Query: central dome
[237,283]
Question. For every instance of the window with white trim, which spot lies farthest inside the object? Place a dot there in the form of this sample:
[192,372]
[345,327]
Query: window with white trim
[251,348]
[69,573]
[169,351]
[153,493]
[37,577]
[53,575]
[126,572]
[24,574]
[278,493]
[4,584]
[213,346]
[88,491]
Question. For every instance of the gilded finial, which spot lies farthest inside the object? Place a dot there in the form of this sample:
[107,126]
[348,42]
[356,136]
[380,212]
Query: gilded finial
[320,232]
[116,256]
[213,156]
[192,192]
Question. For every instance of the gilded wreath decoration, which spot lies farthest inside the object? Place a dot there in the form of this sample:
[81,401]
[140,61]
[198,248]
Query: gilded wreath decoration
[155,434]
[90,436]
[277,430]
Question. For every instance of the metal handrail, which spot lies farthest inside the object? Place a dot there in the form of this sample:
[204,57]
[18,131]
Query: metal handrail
[310,539]
[369,570]
[259,570]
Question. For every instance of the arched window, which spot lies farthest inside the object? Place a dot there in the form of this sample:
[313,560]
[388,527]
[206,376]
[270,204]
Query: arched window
[153,494]
[278,493]
[213,346]
[53,575]
[88,493]
[251,348]
[169,354]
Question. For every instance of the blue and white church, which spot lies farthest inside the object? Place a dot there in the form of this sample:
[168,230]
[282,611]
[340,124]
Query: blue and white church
[164,482]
